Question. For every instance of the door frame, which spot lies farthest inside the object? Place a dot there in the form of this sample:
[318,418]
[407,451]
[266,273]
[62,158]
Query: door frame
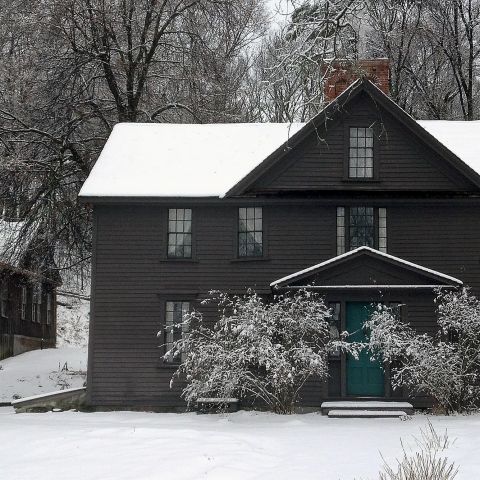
[370,297]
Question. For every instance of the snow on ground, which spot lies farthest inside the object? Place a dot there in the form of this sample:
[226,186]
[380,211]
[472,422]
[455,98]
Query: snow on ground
[42,371]
[244,445]
[72,320]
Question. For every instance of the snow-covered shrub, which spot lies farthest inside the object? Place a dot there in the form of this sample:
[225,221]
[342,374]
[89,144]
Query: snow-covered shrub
[445,366]
[427,462]
[257,349]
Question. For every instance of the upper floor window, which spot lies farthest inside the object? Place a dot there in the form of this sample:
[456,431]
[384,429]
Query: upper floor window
[361,231]
[361,226]
[174,316]
[360,160]
[179,233]
[250,232]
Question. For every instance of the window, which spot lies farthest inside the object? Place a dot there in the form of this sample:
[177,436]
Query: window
[49,308]
[4,300]
[396,308]
[37,304]
[180,233]
[361,226]
[174,315]
[250,232]
[335,325]
[360,159]
[23,310]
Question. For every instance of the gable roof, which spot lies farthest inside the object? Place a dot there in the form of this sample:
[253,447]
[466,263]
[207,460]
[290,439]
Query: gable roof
[335,108]
[181,160]
[361,251]
[218,160]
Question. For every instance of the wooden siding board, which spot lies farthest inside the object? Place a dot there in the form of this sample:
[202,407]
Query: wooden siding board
[124,354]
[405,162]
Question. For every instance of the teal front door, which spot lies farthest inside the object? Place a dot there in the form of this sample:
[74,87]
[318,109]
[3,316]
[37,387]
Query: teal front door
[364,377]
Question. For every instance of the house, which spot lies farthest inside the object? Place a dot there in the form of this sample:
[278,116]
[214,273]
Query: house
[363,203]
[27,301]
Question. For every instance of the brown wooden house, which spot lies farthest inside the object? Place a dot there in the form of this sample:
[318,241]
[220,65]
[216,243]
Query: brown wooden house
[362,203]
[27,307]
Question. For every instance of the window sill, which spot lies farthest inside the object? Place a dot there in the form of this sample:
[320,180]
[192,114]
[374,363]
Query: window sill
[361,180]
[249,259]
[178,260]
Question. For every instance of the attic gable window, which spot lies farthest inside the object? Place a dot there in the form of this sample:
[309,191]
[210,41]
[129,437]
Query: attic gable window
[179,233]
[250,232]
[360,161]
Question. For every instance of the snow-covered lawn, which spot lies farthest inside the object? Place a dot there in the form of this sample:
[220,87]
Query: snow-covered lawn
[244,445]
[42,371]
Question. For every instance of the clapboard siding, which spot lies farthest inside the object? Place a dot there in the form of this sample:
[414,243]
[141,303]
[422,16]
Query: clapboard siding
[405,163]
[132,278]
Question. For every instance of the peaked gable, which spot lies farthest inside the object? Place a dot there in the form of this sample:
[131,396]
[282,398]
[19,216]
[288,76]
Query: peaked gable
[368,268]
[409,158]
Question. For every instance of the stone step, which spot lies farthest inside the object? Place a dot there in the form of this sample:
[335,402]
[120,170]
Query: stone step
[366,414]
[367,405]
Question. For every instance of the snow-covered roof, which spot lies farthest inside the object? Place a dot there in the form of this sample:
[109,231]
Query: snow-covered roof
[193,160]
[460,137]
[351,253]
[181,160]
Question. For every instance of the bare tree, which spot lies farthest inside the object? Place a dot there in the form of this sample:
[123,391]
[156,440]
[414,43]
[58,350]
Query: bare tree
[70,70]
[454,25]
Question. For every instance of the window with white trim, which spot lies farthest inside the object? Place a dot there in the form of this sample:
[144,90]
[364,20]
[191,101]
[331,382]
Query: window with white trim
[359,226]
[23,307]
[175,312]
[179,233]
[360,158]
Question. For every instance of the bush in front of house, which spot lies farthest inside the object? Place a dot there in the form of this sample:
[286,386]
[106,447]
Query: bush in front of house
[257,350]
[445,366]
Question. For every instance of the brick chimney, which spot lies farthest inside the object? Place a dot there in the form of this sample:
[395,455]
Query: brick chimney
[342,73]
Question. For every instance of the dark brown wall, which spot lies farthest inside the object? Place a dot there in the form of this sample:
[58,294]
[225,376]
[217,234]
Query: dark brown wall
[132,278]
[404,162]
[13,324]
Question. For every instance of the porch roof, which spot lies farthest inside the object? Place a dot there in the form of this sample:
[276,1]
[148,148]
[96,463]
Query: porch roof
[433,275]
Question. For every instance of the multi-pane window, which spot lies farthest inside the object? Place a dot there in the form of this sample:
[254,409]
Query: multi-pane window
[250,232]
[180,233]
[37,304]
[396,308]
[361,226]
[360,163]
[334,324]
[4,300]
[340,230]
[49,308]
[382,229]
[23,310]
[174,328]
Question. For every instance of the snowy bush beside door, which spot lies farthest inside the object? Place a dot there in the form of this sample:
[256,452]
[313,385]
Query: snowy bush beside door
[445,366]
[257,350]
